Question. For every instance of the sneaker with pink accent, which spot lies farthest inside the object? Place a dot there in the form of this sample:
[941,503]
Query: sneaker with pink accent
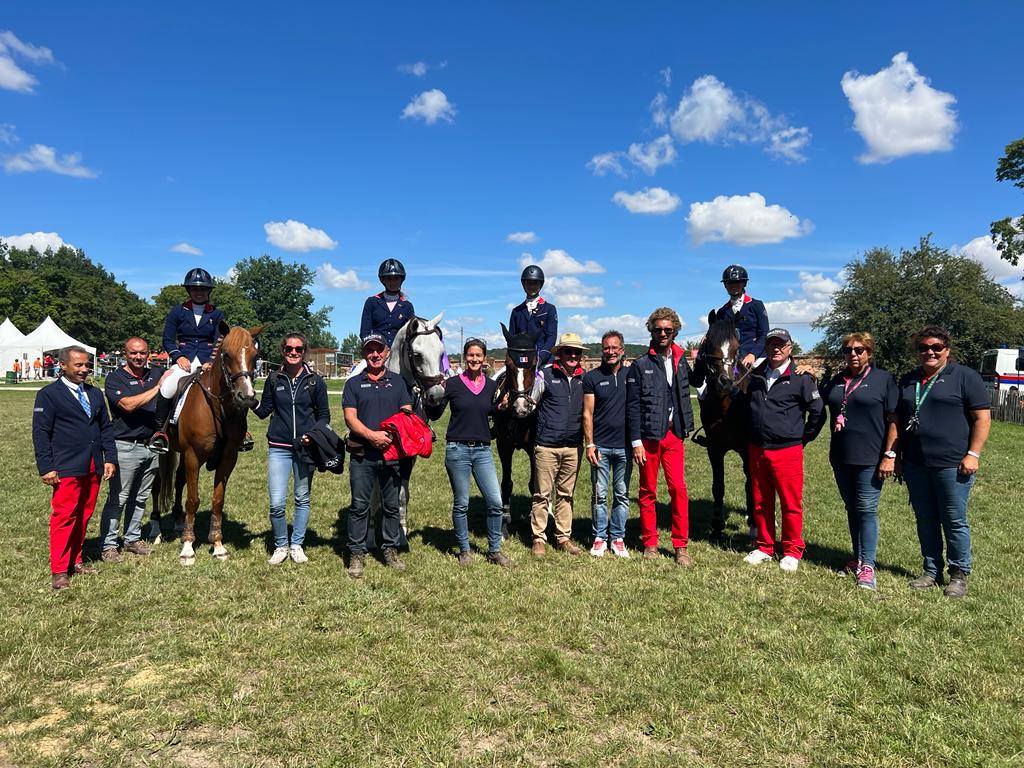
[619,548]
[599,548]
[866,577]
[852,568]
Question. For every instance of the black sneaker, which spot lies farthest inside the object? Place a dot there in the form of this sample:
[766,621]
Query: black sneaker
[924,581]
[356,565]
[392,560]
[957,586]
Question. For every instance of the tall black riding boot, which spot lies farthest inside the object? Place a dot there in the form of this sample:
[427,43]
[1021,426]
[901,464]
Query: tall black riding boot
[159,442]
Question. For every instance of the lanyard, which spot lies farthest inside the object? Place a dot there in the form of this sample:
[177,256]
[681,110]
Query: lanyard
[848,390]
[919,396]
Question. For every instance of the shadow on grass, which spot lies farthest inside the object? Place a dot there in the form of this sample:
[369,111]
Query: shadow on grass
[234,533]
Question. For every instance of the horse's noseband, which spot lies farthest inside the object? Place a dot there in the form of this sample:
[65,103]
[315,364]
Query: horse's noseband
[424,382]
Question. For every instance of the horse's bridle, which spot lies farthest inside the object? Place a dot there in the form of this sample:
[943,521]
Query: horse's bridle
[514,393]
[424,383]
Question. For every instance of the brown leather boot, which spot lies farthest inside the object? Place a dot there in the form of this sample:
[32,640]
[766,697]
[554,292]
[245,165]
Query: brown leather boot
[683,559]
[651,553]
[539,549]
[569,548]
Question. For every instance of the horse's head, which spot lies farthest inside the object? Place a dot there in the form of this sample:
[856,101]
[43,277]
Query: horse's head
[237,357]
[719,351]
[520,372]
[417,355]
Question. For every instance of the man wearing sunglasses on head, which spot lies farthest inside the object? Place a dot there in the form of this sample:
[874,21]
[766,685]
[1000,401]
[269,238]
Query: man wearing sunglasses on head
[659,417]
[944,419]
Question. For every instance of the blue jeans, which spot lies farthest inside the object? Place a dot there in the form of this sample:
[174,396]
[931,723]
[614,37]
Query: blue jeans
[939,498]
[362,475]
[860,488]
[616,463]
[282,463]
[461,460]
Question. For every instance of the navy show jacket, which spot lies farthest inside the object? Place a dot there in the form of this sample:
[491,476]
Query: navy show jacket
[183,338]
[751,325]
[64,438]
[543,322]
[377,318]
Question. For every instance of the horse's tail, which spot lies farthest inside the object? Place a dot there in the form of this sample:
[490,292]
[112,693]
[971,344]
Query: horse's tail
[165,475]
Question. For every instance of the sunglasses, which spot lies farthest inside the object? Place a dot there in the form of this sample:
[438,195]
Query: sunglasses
[664,330]
[854,350]
[922,348]
[289,348]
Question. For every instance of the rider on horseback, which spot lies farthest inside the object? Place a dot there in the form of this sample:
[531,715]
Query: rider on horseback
[747,314]
[190,336]
[535,316]
[386,312]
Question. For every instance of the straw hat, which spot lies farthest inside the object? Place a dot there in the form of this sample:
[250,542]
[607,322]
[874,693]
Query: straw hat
[570,340]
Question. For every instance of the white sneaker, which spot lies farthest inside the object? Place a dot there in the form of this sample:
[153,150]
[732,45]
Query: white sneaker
[619,548]
[789,564]
[757,557]
[599,548]
[298,556]
[279,556]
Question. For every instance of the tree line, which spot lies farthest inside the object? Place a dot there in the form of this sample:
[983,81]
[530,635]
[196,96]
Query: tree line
[91,304]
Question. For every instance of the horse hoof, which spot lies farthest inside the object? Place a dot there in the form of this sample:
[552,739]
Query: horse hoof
[187,560]
[221,554]
[157,540]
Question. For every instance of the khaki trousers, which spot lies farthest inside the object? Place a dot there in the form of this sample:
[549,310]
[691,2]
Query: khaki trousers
[556,470]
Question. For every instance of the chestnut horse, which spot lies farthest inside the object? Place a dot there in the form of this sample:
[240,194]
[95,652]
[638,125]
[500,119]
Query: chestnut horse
[210,428]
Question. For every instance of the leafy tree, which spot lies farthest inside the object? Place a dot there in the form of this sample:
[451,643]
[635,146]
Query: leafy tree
[279,295]
[351,344]
[893,296]
[1008,233]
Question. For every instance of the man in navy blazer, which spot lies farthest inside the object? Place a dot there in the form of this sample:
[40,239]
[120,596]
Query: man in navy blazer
[74,443]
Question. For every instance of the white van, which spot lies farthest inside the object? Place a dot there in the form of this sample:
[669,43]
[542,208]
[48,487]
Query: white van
[1003,371]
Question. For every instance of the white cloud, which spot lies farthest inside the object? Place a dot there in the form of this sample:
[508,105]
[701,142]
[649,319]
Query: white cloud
[817,287]
[186,248]
[558,262]
[656,153]
[40,157]
[230,275]
[7,134]
[984,251]
[898,113]
[607,162]
[521,237]
[417,69]
[659,109]
[632,327]
[813,299]
[571,292]
[711,112]
[648,200]
[13,77]
[330,277]
[430,106]
[743,220]
[293,235]
[666,76]
[38,240]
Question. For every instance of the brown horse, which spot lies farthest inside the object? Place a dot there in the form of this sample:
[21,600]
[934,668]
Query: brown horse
[210,428]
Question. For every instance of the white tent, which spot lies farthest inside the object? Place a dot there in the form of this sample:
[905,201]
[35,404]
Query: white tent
[13,346]
[49,337]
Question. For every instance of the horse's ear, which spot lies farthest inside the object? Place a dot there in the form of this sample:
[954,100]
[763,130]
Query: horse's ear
[223,328]
[711,318]
[433,323]
[504,332]
[254,332]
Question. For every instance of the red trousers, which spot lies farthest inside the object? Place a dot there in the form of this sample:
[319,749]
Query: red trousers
[670,454]
[74,500]
[778,471]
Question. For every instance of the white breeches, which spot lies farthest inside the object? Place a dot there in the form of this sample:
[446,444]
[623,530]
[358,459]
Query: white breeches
[170,384]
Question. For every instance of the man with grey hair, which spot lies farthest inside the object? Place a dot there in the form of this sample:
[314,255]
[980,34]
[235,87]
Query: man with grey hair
[131,392]
[74,445]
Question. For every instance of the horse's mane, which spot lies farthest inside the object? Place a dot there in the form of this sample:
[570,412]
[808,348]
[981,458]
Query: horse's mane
[720,332]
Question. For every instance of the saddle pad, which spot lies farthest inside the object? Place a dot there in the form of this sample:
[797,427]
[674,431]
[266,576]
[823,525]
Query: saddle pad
[181,401]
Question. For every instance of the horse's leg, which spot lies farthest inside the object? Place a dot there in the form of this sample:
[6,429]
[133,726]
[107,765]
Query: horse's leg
[406,466]
[178,512]
[749,488]
[187,556]
[154,534]
[717,460]
[220,482]
[505,457]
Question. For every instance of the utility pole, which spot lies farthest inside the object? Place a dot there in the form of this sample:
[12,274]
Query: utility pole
[462,343]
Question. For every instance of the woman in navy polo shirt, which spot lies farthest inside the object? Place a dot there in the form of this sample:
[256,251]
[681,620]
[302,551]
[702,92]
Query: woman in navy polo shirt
[944,419]
[862,402]
[468,449]
[296,400]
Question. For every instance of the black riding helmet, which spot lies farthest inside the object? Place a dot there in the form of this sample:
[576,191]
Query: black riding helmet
[532,272]
[391,268]
[734,272]
[198,278]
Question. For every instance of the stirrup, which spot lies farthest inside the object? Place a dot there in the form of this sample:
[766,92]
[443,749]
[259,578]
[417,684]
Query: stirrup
[246,444]
[159,443]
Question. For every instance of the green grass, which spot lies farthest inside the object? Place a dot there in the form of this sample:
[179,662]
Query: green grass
[568,661]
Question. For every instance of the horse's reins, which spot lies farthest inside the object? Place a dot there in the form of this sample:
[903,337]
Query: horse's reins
[422,383]
[726,361]
[229,381]
[514,393]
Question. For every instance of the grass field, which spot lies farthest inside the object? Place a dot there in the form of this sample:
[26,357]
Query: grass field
[567,661]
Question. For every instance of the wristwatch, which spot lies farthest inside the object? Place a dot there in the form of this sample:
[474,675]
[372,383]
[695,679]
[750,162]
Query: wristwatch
[890,454]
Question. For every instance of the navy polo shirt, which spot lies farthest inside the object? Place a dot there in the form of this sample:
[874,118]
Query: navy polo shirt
[375,401]
[862,439]
[943,436]
[609,391]
[139,424]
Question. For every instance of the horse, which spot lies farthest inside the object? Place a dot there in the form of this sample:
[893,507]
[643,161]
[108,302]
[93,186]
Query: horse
[516,428]
[725,420]
[416,355]
[210,428]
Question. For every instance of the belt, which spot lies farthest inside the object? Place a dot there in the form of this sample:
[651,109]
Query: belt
[140,441]
[471,443]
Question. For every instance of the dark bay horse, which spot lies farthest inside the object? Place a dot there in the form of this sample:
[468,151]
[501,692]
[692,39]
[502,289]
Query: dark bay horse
[210,428]
[515,428]
[725,420]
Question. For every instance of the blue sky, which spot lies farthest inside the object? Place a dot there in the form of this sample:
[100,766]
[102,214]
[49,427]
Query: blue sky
[644,146]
